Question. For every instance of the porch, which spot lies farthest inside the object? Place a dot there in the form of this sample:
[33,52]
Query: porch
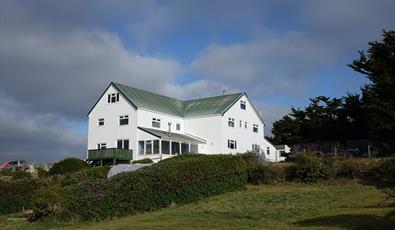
[161,144]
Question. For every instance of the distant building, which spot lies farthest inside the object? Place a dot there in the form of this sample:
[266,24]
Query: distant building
[127,124]
[282,152]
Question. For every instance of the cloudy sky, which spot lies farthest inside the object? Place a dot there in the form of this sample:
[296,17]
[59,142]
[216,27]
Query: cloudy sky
[56,58]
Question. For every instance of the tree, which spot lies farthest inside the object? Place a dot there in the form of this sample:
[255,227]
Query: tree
[323,119]
[378,65]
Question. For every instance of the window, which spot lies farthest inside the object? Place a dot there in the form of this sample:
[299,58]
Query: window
[178,126]
[100,122]
[232,144]
[165,147]
[141,147]
[175,148]
[184,148]
[241,124]
[156,122]
[101,146]
[268,150]
[156,146]
[255,128]
[255,148]
[113,97]
[245,125]
[123,120]
[148,147]
[243,105]
[231,122]
[123,144]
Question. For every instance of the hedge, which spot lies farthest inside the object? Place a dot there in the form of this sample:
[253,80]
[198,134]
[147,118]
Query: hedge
[143,161]
[68,165]
[181,179]
[16,195]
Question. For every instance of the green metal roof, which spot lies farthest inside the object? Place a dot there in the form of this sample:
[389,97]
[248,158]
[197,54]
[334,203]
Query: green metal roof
[200,107]
[152,101]
[172,136]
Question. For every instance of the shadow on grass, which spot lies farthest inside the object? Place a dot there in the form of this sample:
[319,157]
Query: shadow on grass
[350,222]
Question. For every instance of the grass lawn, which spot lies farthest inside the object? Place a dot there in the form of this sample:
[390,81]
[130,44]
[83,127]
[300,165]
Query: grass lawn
[340,205]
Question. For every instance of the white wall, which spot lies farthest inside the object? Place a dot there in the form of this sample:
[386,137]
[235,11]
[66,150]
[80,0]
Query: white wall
[245,137]
[274,155]
[112,131]
[145,120]
[207,128]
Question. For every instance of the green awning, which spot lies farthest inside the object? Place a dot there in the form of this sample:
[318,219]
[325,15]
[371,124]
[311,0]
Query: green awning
[173,136]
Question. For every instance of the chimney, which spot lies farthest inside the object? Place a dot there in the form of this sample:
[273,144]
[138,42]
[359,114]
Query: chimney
[168,133]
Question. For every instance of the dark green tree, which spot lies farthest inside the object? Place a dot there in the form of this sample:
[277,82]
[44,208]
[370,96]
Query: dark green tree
[378,65]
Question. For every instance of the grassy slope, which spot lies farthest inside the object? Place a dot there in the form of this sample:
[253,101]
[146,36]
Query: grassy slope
[345,205]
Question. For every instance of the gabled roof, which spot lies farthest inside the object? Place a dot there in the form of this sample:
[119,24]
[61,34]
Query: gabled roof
[172,136]
[151,101]
[192,108]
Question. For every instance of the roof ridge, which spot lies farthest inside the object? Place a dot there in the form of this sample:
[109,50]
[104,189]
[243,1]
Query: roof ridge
[214,96]
[177,98]
[116,83]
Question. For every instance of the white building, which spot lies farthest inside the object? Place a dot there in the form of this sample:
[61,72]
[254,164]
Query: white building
[282,151]
[131,124]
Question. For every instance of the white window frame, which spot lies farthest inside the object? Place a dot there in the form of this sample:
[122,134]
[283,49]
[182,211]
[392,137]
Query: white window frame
[268,150]
[178,126]
[255,147]
[123,117]
[102,146]
[245,125]
[241,124]
[123,143]
[100,120]
[232,144]
[243,105]
[231,122]
[156,123]
[112,97]
[255,128]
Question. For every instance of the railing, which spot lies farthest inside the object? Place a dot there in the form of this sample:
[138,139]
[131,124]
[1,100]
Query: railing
[112,153]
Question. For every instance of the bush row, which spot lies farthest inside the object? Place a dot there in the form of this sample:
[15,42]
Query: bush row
[17,194]
[181,179]
[310,168]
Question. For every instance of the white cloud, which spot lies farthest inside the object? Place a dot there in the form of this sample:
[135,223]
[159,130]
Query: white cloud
[272,62]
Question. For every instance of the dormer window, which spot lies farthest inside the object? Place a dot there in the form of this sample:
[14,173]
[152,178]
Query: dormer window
[231,122]
[156,122]
[255,128]
[243,105]
[113,97]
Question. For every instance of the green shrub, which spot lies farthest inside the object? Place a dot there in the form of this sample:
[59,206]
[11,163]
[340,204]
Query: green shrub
[356,167]
[311,168]
[270,173]
[99,172]
[20,175]
[181,179]
[16,195]
[41,173]
[68,165]
[386,170]
[143,161]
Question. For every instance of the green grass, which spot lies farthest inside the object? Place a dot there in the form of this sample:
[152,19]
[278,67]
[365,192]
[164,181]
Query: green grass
[341,205]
